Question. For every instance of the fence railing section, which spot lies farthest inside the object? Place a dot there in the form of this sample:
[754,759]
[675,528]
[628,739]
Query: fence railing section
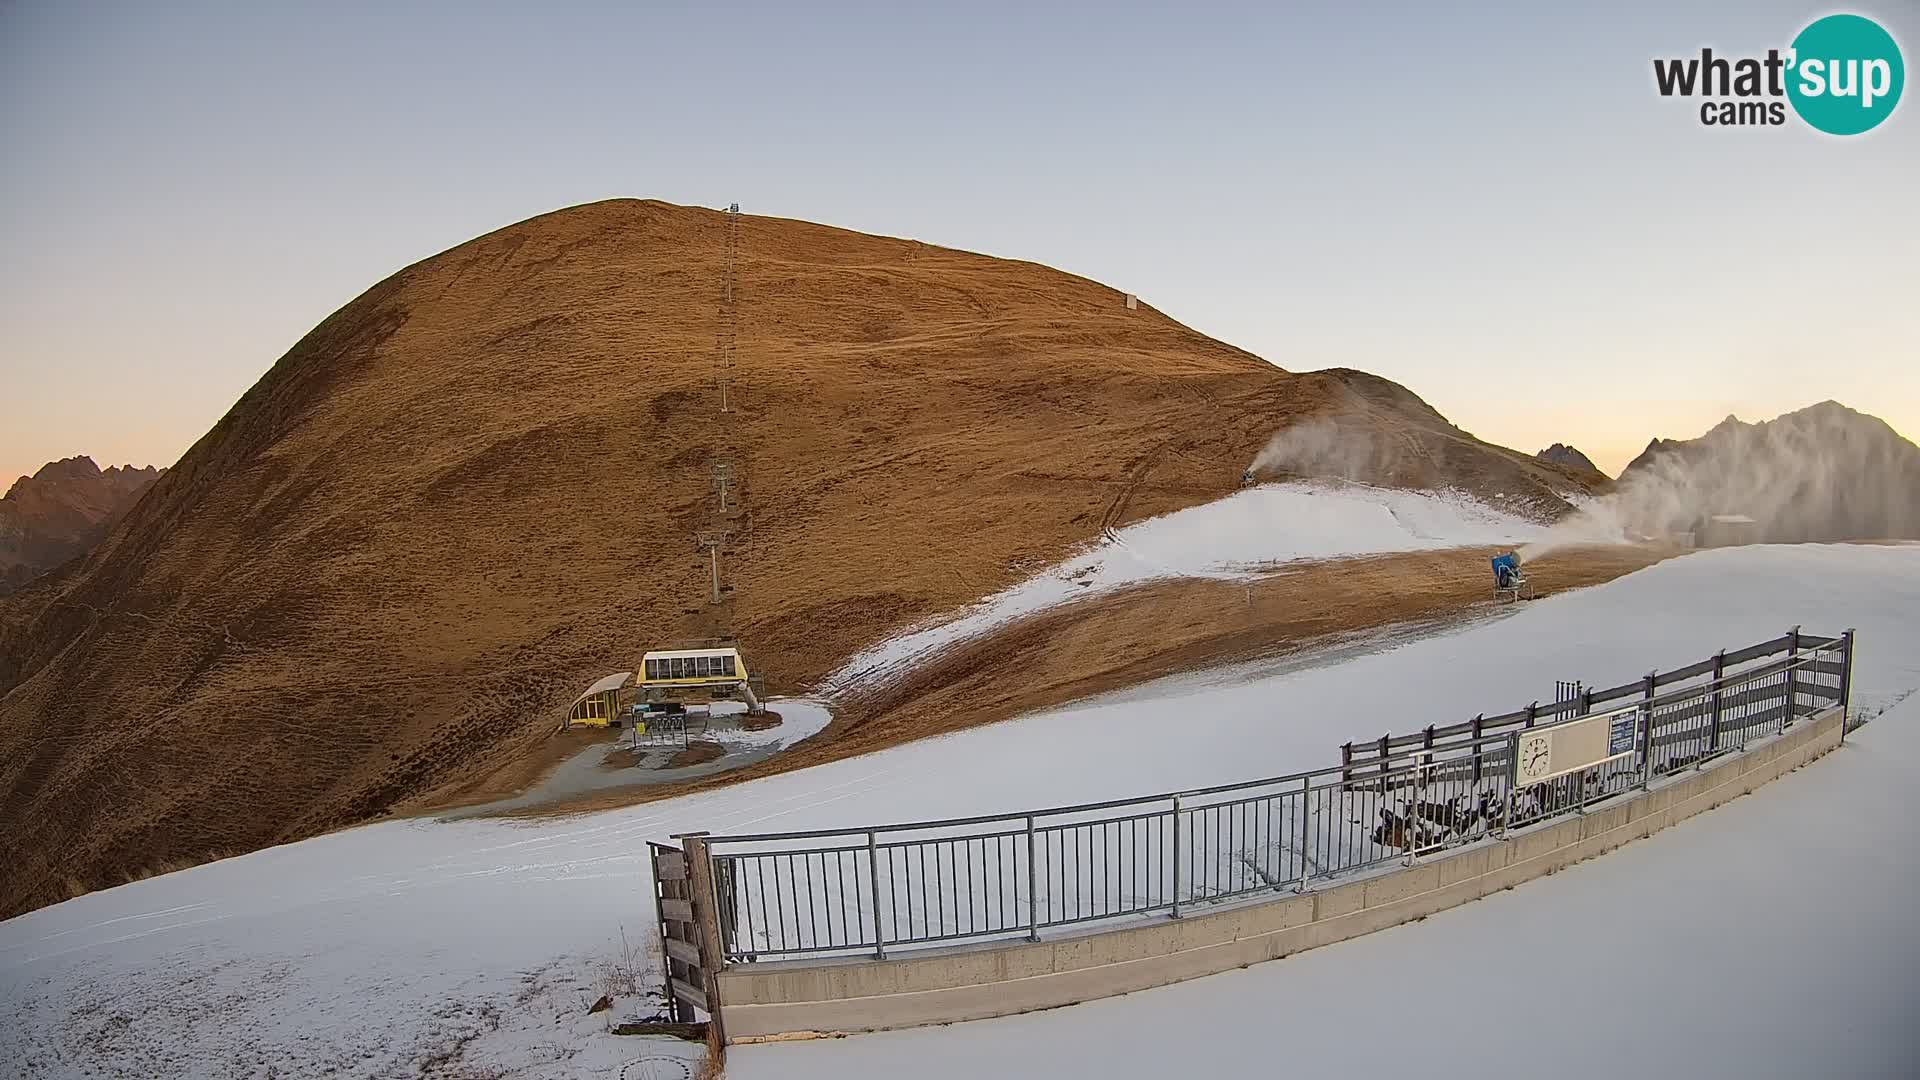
[869,890]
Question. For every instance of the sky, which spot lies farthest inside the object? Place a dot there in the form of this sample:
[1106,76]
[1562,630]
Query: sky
[1492,206]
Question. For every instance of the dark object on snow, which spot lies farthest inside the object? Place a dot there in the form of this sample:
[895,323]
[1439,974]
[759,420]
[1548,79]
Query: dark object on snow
[696,1032]
[1509,582]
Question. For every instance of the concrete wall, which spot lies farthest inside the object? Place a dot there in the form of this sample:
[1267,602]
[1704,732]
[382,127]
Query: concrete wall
[999,978]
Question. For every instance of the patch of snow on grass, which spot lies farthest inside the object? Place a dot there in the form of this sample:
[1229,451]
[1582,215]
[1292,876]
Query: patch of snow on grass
[1228,539]
[800,719]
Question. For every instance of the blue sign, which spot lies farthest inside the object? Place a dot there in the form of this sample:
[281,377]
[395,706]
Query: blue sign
[1620,733]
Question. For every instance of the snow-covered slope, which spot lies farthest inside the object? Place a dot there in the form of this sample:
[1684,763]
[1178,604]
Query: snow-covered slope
[1250,530]
[1771,938]
[473,948]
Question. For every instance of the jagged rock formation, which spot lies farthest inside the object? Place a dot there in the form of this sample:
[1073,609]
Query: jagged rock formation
[61,511]
[1572,460]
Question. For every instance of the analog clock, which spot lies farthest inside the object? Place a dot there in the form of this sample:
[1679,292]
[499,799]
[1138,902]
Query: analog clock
[1536,757]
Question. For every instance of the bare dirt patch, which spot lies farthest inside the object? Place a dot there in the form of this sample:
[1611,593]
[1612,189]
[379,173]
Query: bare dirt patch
[764,721]
[697,752]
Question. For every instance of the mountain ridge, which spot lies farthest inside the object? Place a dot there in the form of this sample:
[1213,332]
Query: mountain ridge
[1826,472]
[1571,458]
[479,486]
[60,511]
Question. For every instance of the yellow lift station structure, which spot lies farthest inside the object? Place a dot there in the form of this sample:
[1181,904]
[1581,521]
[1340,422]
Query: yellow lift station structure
[696,675]
[600,705]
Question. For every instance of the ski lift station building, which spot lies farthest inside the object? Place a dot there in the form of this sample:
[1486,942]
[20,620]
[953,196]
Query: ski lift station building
[678,674]
[600,704]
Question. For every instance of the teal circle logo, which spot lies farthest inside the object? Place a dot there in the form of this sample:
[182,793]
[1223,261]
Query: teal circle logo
[1845,75]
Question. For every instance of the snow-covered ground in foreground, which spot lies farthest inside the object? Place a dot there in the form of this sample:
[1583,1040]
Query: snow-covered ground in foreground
[1774,937]
[464,949]
[1228,538]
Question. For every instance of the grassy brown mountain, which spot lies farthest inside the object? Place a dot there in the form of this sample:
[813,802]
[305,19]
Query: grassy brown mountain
[61,511]
[478,486]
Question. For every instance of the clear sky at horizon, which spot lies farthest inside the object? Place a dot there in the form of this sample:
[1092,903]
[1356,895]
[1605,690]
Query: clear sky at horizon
[1493,206]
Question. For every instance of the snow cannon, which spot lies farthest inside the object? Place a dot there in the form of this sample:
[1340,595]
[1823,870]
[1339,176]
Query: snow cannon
[1509,581]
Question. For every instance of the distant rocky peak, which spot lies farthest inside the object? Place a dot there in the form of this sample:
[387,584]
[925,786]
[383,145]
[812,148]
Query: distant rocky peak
[78,467]
[1568,457]
[61,511]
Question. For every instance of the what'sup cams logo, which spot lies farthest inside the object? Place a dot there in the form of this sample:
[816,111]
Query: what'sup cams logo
[1842,75]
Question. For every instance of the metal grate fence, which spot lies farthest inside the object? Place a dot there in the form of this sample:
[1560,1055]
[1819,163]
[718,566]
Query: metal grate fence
[865,891]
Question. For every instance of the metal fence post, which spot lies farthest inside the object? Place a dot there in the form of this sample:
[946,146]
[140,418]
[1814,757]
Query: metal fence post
[1478,731]
[1793,675]
[1306,831]
[1346,766]
[1421,777]
[1533,711]
[1176,856]
[1646,709]
[1846,684]
[1513,778]
[873,871]
[1719,678]
[1033,891]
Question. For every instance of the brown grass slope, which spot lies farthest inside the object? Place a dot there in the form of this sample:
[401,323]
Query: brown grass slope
[475,488]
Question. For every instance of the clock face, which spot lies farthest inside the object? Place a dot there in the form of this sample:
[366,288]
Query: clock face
[1536,756]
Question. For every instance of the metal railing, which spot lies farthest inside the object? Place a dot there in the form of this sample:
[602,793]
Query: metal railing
[668,731]
[869,890]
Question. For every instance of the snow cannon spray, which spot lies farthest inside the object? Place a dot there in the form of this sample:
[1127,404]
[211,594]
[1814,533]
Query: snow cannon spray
[1344,447]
